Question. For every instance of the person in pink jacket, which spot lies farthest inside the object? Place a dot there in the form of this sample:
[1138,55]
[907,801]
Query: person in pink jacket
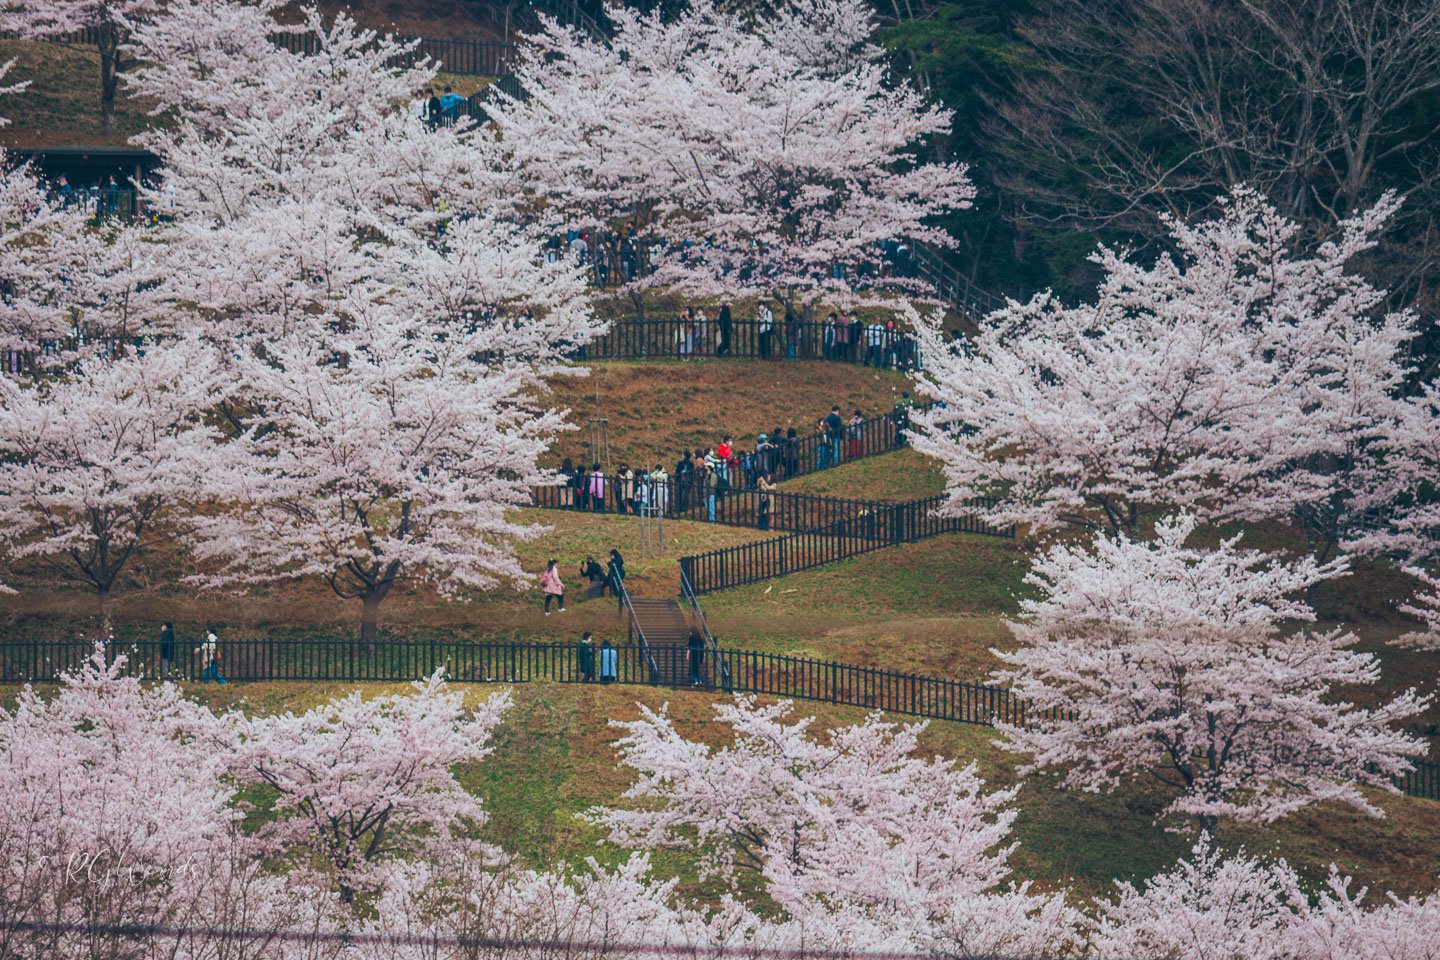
[553,588]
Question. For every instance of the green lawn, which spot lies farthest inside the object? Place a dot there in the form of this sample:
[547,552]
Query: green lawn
[902,475]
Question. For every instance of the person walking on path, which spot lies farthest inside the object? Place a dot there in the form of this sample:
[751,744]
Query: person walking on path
[209,653]
[591,573]
[696,644]
[167,649]
[765,327]
[609,662]
[615,573]
[552,587]
[585,658]
[766,503]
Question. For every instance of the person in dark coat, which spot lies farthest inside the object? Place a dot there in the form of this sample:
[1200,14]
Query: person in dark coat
[167,649]
[586,658]
[725,323]
[615,572]
[696,644]
[594,577]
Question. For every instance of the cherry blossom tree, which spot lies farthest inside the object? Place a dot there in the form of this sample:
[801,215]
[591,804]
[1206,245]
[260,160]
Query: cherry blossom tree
[855,833]
[390,329]
[1179,662]
[114,809]
[1209,907]
[106,23]
[41,252]
[1239,379]
[1425,607]
[362,782]
[1402,510]
[98,464]
[767,154]
[1214,907]
[398,464]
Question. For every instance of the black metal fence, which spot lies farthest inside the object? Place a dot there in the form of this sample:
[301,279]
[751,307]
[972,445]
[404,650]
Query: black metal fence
[681,500]
[892,524]
[473,58]
[745,671]
[741,503]
[870,344]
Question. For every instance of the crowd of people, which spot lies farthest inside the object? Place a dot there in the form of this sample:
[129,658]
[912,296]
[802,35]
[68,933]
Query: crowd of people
[702,477]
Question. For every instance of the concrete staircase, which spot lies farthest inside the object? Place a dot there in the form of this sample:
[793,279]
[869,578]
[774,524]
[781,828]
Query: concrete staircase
[667,634]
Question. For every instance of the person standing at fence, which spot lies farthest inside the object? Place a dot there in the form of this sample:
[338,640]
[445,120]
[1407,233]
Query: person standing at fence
[209,653]
[660,484]
[855,434]
[628,253]
[722,458]
[597,488]
[792,333]
[874,343]
[725,324]
[567,483]
[450,106]
[609,662]
[791,453]
[624,490]
[684,335]
[696,645]
[765,503]
[699,326]
[585,658]
[840,337]
[857,338]
[765,328]
[167,648]
[434,109]
[643,492]
[712,491]
[834,434]
[684,478]
[552,587]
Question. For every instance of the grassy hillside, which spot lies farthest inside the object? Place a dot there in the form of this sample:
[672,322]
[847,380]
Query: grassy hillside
[657,409]
[936,607]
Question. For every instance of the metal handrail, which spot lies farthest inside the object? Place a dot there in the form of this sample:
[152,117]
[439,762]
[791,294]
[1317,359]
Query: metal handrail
[634,631]
[687,593]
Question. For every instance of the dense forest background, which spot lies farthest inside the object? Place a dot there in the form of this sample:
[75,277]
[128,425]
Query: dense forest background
[1096,119]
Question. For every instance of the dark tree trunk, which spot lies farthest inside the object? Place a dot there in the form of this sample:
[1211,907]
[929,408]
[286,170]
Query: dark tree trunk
[108,43]
[370,621]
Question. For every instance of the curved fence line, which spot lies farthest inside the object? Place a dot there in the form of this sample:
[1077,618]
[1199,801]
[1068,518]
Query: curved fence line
[740,671]
[893,524]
